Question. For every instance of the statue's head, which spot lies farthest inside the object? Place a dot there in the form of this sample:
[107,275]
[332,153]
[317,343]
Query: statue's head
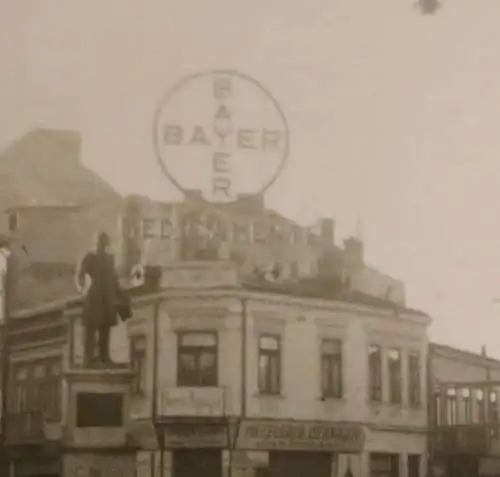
[103,242]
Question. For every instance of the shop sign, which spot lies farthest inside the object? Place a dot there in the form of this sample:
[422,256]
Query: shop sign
[289,435]
[95,465]
[192,402]
[193,435]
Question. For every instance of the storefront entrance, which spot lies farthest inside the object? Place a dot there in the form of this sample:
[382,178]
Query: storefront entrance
[197,463]
[300,464]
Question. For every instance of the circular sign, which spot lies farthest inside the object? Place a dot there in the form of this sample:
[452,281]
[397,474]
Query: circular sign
[220,133]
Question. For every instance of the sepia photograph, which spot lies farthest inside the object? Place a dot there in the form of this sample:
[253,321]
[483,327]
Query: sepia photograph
[249,239]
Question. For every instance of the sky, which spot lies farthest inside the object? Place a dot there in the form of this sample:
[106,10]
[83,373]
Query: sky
[393,119]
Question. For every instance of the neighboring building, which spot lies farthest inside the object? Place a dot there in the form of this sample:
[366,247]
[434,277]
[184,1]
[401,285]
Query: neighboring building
[44,167]
[464,413]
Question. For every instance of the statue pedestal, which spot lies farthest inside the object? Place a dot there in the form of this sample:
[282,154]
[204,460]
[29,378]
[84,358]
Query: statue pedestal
[97,406]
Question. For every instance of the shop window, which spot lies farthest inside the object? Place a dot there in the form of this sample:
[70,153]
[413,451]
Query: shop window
[384,465]
[394,357]
[197,359]
[269,364]
[138,364]
[413,465]
[99,410]
[331,368]
[375,372]
[414,379]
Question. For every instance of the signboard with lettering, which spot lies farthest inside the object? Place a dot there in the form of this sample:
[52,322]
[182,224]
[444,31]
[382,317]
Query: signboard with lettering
[100,465]
[295,435]
[196,435]
[220,132]
[192,402]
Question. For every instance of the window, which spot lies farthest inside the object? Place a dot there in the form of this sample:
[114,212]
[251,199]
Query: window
[269,365]
[149,228]
[451,407]
[197,359]
[438,403]
[465,406]
[13,221]
[138,362]
[394,357]
[413,465]
[493,417]
[99,410]
[481,415]
[331,368]
[53,391]
[384,465]
[414,379]
[37,387]
[375,372]
[20,390]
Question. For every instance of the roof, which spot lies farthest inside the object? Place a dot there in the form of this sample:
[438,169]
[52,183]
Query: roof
[465,354]
[327,289]
[60,292]
[44,166]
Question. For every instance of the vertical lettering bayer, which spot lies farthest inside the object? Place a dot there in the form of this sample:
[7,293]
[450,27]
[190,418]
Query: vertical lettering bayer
[222,133]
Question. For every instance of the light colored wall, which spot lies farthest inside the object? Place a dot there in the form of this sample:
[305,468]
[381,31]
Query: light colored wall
[301,329]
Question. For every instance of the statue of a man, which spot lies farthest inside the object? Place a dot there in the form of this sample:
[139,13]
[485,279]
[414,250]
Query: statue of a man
[96,278]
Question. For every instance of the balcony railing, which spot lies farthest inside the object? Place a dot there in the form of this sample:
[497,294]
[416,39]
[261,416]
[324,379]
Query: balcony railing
[463,439]
[25,427]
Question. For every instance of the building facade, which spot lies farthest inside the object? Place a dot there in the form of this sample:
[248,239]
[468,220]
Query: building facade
[253,382]
[464,413]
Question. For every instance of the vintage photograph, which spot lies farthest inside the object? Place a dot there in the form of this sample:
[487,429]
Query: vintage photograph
[249,239]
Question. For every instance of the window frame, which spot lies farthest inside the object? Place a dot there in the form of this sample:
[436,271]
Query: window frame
[375,383]
[138,364]
[414,379]
[395,382]
[182,381]
[35,393]
[267,390]
[451,407]
[333,388]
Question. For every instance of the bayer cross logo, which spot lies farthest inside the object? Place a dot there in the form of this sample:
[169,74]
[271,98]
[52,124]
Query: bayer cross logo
[222,133]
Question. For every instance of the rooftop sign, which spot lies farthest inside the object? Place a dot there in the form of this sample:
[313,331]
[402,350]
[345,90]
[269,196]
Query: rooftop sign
[222,133]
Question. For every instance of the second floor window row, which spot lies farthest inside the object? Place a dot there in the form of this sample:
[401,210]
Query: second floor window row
[396,378]
[462,406]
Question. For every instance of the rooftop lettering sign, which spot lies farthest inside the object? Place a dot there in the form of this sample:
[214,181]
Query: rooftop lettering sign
[220,132]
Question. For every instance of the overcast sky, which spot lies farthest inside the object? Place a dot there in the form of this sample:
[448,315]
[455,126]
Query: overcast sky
[393,117]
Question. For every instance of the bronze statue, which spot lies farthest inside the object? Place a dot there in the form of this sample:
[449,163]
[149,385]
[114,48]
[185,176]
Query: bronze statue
[97,279]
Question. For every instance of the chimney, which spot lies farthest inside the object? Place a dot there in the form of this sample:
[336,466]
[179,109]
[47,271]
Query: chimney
[354,251]
[483,351]
[327,231]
